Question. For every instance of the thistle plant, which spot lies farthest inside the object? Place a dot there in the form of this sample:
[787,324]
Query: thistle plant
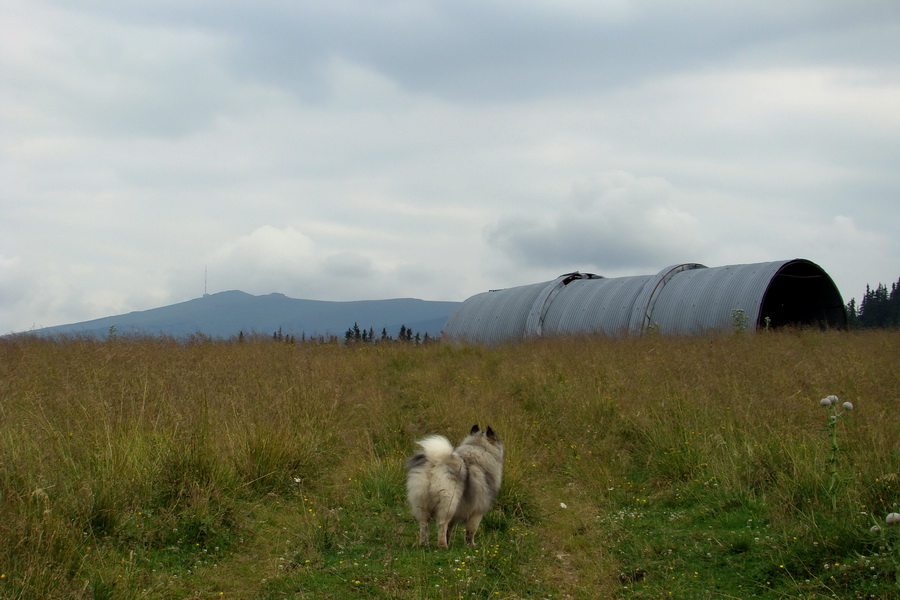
[890,534]
[836,412]
[739,320]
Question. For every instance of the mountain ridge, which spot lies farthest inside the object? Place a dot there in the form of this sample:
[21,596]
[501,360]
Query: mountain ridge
[230,313]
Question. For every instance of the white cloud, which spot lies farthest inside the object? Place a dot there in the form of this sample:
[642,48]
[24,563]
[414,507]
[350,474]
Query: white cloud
[267,254]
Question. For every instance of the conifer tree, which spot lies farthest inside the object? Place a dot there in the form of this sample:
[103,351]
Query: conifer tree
[878,308]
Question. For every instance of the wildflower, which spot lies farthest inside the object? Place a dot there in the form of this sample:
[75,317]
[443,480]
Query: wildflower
[875,529]
[893,518]
[563,505]
[825,402]
[847,405]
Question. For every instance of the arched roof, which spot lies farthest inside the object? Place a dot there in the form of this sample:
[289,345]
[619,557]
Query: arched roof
[684,299]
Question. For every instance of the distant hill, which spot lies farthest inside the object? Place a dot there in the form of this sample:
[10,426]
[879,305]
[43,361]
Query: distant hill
[229,313]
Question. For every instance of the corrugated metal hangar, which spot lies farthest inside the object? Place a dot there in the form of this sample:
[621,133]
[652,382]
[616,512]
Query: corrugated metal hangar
[685,299]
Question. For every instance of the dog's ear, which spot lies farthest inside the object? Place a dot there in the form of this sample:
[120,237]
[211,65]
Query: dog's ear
[474,429]
[490,433]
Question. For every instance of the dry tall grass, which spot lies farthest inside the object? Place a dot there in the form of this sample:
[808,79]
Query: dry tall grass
[116,455]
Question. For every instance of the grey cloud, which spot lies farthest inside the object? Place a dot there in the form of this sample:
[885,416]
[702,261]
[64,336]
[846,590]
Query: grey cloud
[477,51]
[616,222]
[81,75]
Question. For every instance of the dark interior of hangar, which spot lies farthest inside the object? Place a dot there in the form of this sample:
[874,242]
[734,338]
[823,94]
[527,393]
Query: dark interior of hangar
[801,293]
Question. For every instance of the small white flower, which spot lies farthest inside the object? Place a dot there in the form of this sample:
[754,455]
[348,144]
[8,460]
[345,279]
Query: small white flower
[832,399]
[563,505]
[892,518]
[847,405]
[825,402]
[875,529]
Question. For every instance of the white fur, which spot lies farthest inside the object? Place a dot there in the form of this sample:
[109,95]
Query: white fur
[436,447]
[449,486]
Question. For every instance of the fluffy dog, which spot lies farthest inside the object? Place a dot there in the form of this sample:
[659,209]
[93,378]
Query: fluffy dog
[450,486]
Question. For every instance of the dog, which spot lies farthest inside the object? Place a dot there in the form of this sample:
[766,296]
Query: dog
[450,486]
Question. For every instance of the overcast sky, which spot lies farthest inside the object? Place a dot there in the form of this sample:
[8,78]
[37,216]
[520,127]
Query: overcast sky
[366,149]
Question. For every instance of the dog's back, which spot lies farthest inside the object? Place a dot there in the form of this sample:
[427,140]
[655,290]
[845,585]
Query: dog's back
[482,452]
[450,486]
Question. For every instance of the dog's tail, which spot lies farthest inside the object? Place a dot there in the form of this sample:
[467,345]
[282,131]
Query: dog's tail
[436,448]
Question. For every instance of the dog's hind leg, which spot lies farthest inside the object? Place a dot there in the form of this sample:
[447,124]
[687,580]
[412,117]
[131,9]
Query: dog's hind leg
[423,533]
[443,534]
[450,531]
[472,524]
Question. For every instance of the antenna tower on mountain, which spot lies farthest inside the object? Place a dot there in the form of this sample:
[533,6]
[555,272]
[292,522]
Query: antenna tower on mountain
[205,276]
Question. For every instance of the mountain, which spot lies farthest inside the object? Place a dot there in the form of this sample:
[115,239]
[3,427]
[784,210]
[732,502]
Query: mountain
[227,314]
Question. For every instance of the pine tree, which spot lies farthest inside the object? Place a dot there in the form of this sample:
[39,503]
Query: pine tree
[892,306]
[852,314]
[878,308]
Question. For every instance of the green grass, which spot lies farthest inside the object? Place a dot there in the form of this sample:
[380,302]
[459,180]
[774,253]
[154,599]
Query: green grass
[638,468]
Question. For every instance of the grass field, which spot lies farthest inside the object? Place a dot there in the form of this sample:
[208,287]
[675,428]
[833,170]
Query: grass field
[638,468]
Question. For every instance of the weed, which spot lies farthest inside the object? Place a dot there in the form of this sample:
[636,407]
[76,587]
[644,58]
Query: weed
[833,419]
[739,320]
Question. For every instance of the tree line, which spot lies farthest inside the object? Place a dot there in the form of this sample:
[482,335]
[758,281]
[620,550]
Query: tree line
[878,308]
[353,335]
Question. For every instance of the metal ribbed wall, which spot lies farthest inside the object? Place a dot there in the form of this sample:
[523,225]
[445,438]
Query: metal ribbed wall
[601,306]
[684,299]
[494,316]
[707,300]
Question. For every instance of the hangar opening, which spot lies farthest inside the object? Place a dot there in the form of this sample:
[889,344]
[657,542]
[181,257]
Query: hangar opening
[801,293]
